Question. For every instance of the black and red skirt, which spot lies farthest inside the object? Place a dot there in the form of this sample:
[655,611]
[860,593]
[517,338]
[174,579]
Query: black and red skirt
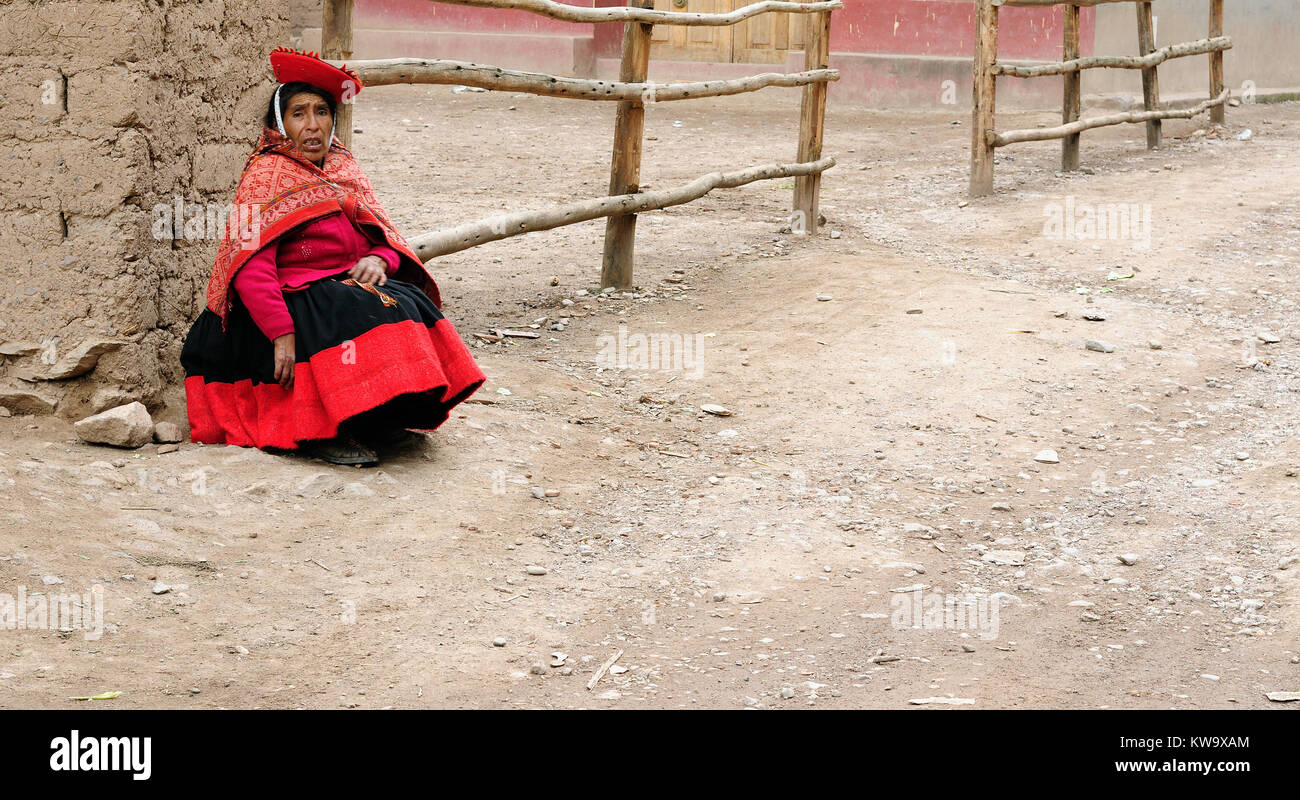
[381,349]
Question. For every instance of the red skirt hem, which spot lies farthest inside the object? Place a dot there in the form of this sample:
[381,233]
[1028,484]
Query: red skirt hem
[388,361]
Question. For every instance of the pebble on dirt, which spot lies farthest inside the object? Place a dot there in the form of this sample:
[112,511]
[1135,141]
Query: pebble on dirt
[167,432]
[1098,346]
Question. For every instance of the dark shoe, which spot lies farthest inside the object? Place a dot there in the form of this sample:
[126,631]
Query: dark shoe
[392,437]
[342,450]
[381,438]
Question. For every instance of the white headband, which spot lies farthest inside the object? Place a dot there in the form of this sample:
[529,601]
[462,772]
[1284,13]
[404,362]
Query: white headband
[279,121]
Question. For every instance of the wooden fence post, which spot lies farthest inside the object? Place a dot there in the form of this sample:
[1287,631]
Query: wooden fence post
[1150,77]
[1073,105]
[812,121]
[1218,114]
[625,166]
[336,44]
[985,98]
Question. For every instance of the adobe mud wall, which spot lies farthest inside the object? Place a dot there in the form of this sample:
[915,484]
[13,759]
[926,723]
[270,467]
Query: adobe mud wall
[109,113]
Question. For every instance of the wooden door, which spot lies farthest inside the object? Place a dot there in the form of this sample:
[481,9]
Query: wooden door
[693,42]
[762,39]
[765,38]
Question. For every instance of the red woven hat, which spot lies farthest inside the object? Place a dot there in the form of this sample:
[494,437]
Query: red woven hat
[300,65]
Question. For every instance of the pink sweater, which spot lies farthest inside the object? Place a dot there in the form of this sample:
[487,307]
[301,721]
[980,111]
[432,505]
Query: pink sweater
[323,247]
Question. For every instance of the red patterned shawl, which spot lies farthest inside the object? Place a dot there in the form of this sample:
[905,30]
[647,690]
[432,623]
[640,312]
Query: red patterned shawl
[283,190]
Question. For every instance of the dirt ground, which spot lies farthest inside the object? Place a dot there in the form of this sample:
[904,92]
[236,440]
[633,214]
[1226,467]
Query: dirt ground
[882,441]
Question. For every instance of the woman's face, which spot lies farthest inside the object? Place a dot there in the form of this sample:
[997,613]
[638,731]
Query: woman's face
[308,122]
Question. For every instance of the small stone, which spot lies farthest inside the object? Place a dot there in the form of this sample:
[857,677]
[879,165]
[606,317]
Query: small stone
[1088,616]
[533,569]
[566,671]
[167,432]
[1127,559]
[164,449]
[161,588]
[835,234]
[1047,457]
[1008,558]
[967,648]
[500,641]
[538,492]
[787,692]
[1283,697]
[1243,456]
[4,412]
[51,580]
[1094,316]
[1001,506]
[538,668]
[1268,337]
[825,298]
[916,311]
[551,493]
[718,597]
[1287,562]
[1155,345]
[1096,345]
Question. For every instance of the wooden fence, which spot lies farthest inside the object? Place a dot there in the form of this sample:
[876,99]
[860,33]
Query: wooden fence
[633,91]
[985,137]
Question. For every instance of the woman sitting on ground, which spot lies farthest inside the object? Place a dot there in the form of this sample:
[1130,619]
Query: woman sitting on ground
[322,331]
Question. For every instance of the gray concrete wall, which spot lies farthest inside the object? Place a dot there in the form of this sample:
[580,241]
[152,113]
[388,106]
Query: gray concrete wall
[1265,33]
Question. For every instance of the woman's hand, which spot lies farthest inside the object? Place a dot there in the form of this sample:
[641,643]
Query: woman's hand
[285,353]
[371,269]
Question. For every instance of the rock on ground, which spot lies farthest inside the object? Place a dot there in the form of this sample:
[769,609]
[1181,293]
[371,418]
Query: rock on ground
[125,426]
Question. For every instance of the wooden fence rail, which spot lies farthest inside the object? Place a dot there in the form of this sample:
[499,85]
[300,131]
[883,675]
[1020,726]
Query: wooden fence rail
[985,139]
[388,71]
[568,13]
[633,91]
[501,226]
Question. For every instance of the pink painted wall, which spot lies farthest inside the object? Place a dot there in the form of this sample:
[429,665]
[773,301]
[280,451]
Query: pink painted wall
[428,15]
[947,28]
[895,27]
